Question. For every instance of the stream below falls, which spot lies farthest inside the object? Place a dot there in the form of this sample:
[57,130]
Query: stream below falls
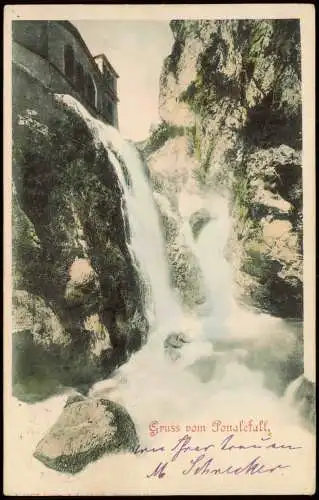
[214,377]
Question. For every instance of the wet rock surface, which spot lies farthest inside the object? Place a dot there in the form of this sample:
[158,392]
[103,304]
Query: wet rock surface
[304,398]
[173,343]
[72,270]
[198,221]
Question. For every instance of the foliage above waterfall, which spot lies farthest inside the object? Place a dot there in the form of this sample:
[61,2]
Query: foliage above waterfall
[160,134]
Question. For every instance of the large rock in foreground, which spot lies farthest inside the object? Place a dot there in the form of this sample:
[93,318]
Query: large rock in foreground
[86,430]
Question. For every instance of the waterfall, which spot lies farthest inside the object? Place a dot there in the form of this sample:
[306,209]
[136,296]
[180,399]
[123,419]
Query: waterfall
[146,241]
[203,386]
[150,367]
[209,249]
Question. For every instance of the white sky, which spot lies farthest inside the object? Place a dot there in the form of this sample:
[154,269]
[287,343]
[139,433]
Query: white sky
[136,50]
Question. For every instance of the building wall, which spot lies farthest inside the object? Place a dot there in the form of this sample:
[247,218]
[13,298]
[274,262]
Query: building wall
[43,71]
[32,63]
[39,48]
[32,34]
[58,39]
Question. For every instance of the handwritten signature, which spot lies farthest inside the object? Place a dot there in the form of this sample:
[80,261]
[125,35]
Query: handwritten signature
[203,464]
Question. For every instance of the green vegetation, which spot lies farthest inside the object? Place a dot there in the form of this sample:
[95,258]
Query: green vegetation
[160,134]
[200,176]
[246,225]
[241,192]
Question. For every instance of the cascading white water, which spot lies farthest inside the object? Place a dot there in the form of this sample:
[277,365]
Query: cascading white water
[150,366]
[146,242]
[209,249]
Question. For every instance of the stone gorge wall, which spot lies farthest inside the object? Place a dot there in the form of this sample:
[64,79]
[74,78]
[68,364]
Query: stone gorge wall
[77,303]
[230,101]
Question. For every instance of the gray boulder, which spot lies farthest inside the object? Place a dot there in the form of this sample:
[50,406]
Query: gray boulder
[198,221]
[173,344]
[304,399]
[87,429]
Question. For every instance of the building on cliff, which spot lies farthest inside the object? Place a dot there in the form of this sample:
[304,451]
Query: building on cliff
[54,53]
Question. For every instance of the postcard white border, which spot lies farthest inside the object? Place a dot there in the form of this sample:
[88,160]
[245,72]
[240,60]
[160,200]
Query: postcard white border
[304,12]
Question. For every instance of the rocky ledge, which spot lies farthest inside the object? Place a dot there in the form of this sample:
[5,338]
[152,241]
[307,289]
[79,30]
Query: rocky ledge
[230,104]
[78,308]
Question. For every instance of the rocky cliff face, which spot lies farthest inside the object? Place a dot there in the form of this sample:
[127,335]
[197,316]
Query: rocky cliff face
[230,104]
[77,302]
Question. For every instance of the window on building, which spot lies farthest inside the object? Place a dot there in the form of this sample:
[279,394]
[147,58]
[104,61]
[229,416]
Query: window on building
[114,84]
[90,90]
[69,61]
[108,110]
[79,78]
[110,80]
